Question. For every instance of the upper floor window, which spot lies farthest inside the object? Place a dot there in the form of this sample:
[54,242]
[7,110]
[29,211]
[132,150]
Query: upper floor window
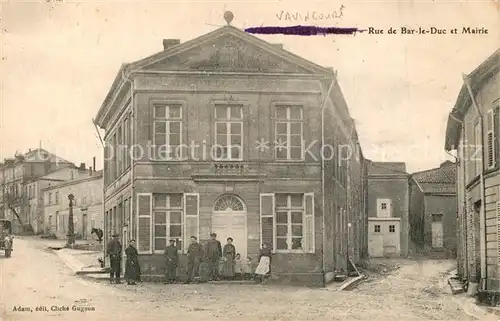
[384,207]
[228,133]
[288,133]
[492,132]
[168,132]
[57,198]
[50,198]
[477,150]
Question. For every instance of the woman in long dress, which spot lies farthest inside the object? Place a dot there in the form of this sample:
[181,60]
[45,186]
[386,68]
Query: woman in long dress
[228,256]
[132,267]
[263,270]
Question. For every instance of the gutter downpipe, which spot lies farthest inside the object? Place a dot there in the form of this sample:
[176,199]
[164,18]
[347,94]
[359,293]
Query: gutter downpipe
[103,194]
[482,219]
[132,158]
[323,105]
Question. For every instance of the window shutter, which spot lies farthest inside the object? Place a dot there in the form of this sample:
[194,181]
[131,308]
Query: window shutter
[389,208]
[267,209]
[490,139]
[191,217]
[309,222]
[470,236]
[498,232]
[496,134]
[145,223]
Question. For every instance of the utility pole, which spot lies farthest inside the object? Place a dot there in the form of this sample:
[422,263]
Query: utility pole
[71,226]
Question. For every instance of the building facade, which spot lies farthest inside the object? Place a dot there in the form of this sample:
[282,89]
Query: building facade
[19,181]
[388,205]
[433,211]
[473,132]
[224,135]
[87,190]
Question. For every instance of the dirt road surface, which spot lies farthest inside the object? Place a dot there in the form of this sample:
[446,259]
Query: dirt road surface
[38,283]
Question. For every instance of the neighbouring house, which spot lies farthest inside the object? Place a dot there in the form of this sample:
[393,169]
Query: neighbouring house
[227,132]
[388,204]
[19,180]
[473,131]
[86,185]
[433,211]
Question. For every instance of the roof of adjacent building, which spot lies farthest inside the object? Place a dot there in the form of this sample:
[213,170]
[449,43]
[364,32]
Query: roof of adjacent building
[440,180]
[94,176]
[386,168]
[477,79]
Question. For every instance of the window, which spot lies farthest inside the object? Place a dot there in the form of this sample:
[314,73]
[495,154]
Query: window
[477,150]
[50,198]
[287,221]
[228,133]
[392,228]
[126,142]
[288,133]
[437,217]
[168,132]
[377,229]
[57,198]
[384,208]
[84,201]
[167,219]
[162,217]
[119,151]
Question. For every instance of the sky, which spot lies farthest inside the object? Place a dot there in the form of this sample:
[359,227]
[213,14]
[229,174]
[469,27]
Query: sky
[60,58]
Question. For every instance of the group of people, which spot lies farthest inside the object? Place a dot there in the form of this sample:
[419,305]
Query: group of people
[210,263]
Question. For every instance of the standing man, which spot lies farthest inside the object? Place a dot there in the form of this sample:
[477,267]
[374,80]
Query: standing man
[115,257]
[213,255]
[172,261]
[194,258]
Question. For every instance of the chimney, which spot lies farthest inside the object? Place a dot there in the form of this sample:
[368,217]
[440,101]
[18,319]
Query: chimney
[82,166]
[278,45]
[169,43]
[93,163]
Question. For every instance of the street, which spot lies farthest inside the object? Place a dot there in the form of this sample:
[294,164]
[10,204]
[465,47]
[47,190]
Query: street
[34,278]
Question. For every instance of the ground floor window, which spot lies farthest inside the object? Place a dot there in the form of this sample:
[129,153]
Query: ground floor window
[167,220]
[287,221]
[164,217]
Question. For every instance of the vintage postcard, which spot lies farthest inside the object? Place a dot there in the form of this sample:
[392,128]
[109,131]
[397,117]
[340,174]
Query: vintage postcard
[250,160]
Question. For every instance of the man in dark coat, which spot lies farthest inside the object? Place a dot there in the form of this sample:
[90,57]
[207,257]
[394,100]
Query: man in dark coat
[114,250]
[172,261]
[213,256]
[194,258]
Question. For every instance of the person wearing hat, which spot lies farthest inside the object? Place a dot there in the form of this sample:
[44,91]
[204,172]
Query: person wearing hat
[172,261]
[132,267]
[194,254]
[114,251]
[213,256]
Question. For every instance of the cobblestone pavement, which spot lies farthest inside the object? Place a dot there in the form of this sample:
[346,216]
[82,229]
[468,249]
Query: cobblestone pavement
[34,277]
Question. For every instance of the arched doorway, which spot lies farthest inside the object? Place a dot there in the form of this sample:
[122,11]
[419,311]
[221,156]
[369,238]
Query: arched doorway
[229,219]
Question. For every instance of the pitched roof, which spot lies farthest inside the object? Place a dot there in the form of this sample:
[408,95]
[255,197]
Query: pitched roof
[142,64]
[437,180]
[384,168]
[478,78]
